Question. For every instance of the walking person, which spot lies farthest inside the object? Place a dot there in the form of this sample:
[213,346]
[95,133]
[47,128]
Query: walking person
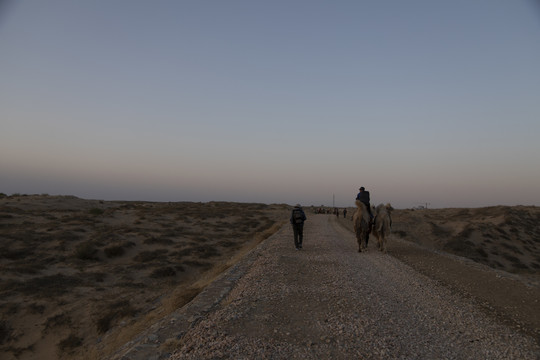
[297,221]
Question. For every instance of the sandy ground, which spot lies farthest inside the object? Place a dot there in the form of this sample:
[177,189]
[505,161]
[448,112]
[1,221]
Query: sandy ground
[81,278]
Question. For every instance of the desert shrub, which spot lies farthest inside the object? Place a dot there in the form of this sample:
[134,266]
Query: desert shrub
[174,233]
[57,320]
[29,268]
[161,241]
[163,272]
[16,254]
[115,311]
[146,256]
[70,343]
[49,286]
[460,247]
[36,308]
[86,251]
[462,213]
[197,263]
[95,276]
[487,235]
[226,243]
[28,236]
[201,238]
[205,252]
[510,258]
[181,253]
[466,233]
[254,223]
[104,323]
[96,211]
[114,251]
[512,248]
[68,236]
[5,331]
[481,252]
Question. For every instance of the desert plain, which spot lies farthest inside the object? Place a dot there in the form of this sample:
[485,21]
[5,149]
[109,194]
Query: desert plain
[80,278]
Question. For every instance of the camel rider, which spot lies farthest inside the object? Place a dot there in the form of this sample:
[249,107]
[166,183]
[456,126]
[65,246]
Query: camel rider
[363,196]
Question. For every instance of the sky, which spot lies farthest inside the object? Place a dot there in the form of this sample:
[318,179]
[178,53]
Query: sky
[422,102]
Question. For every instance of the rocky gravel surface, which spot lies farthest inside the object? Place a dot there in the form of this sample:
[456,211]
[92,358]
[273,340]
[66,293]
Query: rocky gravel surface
[329,301]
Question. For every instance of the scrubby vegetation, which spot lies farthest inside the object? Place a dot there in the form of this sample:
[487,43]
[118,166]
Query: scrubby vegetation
[501,237]
[78,268]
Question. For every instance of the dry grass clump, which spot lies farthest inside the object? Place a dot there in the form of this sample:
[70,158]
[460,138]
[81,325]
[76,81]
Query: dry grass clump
[5,331]
[159,241]
[57,320]
[162,272]
[86,251]
[114,251]
[148,256]
[70,343]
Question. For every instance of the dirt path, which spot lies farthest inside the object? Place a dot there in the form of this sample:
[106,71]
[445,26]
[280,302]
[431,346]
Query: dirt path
[329,301]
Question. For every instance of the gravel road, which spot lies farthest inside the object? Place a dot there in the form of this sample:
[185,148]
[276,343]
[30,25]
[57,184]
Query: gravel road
[329,301]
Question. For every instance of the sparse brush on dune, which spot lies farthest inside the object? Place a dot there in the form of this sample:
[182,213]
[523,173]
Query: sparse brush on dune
[83,258]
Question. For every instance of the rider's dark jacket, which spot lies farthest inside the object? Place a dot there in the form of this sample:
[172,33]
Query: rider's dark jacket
[363,196]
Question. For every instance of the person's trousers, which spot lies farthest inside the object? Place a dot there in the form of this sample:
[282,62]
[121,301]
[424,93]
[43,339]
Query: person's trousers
[298,230]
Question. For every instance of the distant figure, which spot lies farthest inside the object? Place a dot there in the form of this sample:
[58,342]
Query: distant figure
[344,213]
[337,212]
[363,196]
[297,221]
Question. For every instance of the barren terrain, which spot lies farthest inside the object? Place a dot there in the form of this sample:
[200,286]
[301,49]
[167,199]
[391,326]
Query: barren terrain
[84,277]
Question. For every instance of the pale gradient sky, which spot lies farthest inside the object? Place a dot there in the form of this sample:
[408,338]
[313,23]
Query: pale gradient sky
[420,101]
